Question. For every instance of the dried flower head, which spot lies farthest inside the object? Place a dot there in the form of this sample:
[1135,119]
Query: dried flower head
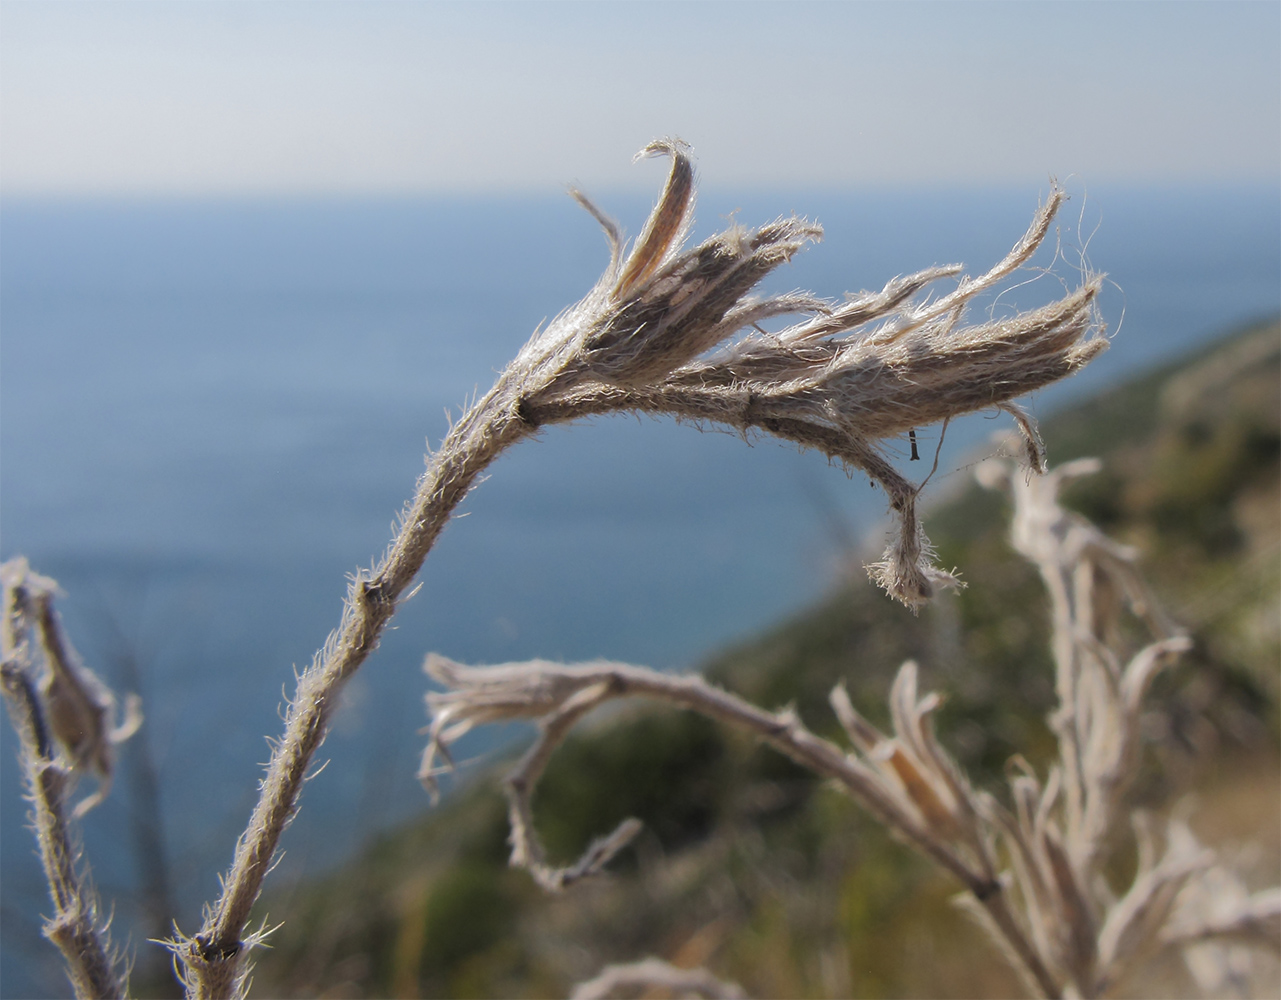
[660,333]
[78,707]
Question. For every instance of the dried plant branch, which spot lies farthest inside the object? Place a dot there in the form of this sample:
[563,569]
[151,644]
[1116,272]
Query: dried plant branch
[1133,926]
[41,721]
[527,849]
[1061,834]
[907,782]
[637,342]
[1087,576]
[1253,920]
[642,978]
[538,689]
[81,709]
[1053,912]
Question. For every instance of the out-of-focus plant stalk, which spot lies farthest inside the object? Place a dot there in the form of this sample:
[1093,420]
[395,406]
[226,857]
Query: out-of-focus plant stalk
[1053,912]
[76,926]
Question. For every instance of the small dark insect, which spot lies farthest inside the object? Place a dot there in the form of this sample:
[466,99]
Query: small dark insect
[911,436]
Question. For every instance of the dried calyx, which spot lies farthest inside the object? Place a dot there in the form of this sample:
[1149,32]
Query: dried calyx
[79,710]
[659,333]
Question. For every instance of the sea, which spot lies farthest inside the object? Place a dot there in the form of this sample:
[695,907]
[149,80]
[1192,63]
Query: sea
[211,411]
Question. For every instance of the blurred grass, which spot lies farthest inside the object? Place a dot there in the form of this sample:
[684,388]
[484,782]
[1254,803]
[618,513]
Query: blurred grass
[746,864]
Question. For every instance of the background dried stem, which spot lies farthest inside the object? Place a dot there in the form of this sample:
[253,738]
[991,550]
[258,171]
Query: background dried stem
[61,729]
[1036,872]
[645,977]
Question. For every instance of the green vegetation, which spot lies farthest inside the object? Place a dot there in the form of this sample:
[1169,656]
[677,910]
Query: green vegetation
[747,864]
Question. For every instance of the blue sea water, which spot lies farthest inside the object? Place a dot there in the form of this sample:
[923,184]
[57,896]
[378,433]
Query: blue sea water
[211,411]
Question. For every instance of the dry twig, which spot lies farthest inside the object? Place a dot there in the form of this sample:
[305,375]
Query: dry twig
[653,974]
[908,781]
[1053,913]
[62,726]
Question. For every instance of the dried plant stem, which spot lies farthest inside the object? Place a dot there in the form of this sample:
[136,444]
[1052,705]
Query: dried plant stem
[640,341]
[1067,683]
[1256,921]
[1054,913]
[527,848]
[1089,578]
[560,695]
[215,957]
[644,977]
[75,927]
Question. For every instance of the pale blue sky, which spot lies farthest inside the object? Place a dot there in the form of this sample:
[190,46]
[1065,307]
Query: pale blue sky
[199,98]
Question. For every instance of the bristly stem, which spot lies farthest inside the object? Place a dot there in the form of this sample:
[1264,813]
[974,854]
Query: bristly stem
[215,956]
[75,927]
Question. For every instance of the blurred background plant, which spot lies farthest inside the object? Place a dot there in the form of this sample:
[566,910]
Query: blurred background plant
[748,865]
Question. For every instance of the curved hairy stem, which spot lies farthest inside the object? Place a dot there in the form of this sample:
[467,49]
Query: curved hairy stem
[215,957]
[642,340]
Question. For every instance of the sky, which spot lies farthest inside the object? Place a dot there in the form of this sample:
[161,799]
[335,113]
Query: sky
[310,98]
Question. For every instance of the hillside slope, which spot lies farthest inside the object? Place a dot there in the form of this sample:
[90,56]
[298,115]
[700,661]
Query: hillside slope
[750,867]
